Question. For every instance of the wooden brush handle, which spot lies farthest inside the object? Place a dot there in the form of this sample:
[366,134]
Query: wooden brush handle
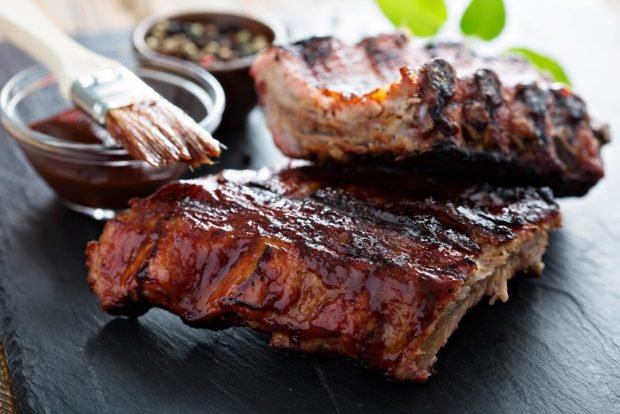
[28,28]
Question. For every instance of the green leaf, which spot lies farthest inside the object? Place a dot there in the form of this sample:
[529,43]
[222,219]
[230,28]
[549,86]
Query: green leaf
[423,17]
[543,63]
[484,19]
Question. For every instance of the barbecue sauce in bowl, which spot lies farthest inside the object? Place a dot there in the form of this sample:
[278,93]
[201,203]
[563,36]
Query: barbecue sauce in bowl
[104,183]
[77,157]
[75,126]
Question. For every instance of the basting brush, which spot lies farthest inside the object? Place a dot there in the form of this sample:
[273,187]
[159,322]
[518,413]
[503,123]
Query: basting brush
[138,118]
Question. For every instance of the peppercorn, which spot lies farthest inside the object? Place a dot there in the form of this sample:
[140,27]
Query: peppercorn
[203,43]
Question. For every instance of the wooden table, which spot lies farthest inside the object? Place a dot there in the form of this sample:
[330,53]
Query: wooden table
[554,347]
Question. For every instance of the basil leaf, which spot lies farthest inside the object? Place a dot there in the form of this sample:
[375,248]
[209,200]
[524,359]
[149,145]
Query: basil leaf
[423,17]
[543,63]
[484,19]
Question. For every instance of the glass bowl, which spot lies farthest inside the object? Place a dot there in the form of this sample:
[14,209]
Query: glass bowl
[95,179]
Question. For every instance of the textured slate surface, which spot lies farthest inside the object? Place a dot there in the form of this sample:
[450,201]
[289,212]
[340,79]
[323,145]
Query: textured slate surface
[554,347]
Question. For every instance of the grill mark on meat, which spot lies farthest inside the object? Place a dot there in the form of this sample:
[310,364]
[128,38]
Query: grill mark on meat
[568,112]
[479,111]
[455,49]
[437,83]
[315,49]
[323,261]
[410,218]
[572,108]
[535,99]
[489,88]
[383,53]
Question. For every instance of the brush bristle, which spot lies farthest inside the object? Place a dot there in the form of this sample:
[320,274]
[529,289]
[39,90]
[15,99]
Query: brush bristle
[161,134]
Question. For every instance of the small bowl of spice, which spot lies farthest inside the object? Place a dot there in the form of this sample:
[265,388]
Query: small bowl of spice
[225,44]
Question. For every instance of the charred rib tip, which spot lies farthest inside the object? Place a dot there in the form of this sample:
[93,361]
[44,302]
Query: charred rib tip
[314,49]
[534,98]
[440,76]
[436,82]
[568,104]
[490,87]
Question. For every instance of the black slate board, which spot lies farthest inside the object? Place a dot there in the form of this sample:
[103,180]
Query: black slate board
[554,347]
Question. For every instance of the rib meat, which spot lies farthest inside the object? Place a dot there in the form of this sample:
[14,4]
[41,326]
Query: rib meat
[322,263]
[439,109]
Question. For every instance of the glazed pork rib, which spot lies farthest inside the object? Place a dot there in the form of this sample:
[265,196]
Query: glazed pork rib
[439,109]
[322,264]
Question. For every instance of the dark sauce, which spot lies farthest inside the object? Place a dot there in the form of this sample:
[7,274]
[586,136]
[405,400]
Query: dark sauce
[75,126]
[88,179]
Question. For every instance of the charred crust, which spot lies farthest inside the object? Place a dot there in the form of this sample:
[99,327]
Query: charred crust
[479,111]
[381,50]
[535,100]
[437,80]
[568,110]
[570,105]
[473,165]
[314,50]
[489,87]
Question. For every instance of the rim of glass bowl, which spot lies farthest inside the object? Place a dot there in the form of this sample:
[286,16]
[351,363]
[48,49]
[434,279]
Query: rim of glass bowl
[37,77]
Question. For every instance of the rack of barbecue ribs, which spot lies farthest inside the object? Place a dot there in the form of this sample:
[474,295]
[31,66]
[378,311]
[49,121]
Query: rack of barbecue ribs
[323,261]
[439,109]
